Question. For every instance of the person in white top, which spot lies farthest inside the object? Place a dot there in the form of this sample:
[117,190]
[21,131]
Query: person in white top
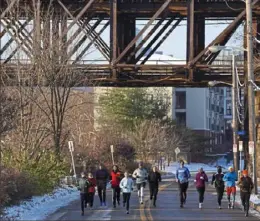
[141,176]
[126,185]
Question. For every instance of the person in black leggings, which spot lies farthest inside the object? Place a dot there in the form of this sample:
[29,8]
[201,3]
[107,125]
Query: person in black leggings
[102,177]
[217,179]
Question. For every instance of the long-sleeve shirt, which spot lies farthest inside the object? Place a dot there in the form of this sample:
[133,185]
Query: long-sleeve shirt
[126,185]
[140,175]
[183,174]
[154,178]
[218,180]
[230,178]
[102,177]
[246,184]
[83,185]
[201,179]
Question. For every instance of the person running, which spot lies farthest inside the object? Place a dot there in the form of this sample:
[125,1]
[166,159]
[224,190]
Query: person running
[201,179]
[154,178]
[102,178]
[246,186]
[91,189]
[182,177]
[217,179]
[83,188]
[126,185]
[141,175]
[115,177]
[230,178]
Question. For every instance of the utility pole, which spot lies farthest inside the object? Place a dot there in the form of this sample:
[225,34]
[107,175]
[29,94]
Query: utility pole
[234,112]
[251,95]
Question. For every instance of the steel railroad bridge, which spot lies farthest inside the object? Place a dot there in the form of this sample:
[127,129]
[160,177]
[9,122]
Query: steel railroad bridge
[78,25]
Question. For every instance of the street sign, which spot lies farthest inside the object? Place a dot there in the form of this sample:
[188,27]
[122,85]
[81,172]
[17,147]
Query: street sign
[71,146]
[241,132]
[240,146]
[251,147]
[234,148]
[112,148]
[177,150]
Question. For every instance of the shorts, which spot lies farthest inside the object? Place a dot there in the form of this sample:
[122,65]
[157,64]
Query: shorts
[230,190]
[139,185]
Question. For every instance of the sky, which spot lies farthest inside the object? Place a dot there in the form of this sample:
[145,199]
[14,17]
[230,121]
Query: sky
[175,44]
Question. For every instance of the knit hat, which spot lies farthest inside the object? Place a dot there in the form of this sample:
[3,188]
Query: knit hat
[230,168]
[245,172]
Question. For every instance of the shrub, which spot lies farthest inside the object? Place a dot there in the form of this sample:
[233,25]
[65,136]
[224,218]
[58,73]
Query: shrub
[15,186]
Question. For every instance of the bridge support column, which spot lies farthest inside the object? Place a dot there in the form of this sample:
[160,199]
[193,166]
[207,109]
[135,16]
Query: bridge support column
[190,36]
[126,33]
[113,36]
[55,36]
[63,39]
[195,39]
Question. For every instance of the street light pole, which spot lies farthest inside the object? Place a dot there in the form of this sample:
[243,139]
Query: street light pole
[251,95]
[234,113]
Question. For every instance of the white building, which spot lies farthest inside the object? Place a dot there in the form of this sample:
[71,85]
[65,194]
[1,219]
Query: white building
[202,110]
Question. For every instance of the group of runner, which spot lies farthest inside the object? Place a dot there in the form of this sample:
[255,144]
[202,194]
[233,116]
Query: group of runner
[119,182]
[221,182]
[123,182]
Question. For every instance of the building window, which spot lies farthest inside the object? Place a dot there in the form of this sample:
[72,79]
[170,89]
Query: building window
[181,118]
[228,92]
[229,107]
[180,100]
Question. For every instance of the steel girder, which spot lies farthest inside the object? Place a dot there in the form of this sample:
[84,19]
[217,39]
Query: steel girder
[76,28]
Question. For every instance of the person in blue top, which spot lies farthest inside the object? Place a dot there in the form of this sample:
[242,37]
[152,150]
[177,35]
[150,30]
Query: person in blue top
[182,177]
[230,178]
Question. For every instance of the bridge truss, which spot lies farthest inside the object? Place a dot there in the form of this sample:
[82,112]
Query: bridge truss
[68,29]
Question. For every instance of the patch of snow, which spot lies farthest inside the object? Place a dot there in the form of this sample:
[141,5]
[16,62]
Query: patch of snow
[193,167]
[223,162]
[39,207]
[255,199]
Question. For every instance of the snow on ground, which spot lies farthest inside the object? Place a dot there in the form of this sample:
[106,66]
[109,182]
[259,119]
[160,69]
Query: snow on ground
[39,207]
[193,167]
[255,199]
[222,161]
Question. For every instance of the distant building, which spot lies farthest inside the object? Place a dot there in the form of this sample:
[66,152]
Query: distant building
[202,110]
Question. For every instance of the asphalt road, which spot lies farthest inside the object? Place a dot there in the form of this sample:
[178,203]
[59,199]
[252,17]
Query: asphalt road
[168,208]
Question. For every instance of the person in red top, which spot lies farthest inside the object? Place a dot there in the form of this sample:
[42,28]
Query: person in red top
[115,178]
[200,180]
[91,189]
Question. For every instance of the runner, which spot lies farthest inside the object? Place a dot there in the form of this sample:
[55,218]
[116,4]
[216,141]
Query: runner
[201,179]
[83,188]
[102,178]
[230,178]
[154,178]
[115,181]
[182,177]
[141,175]
[126,185]
[91,189]
[246,186]
[217,179]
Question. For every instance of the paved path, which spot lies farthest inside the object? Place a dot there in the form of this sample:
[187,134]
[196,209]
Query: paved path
[167,208]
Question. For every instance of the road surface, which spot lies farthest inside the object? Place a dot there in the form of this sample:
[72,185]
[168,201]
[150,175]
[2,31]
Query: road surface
[168,208]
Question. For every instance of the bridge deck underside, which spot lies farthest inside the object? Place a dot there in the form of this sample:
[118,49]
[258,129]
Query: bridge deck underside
[126,58]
